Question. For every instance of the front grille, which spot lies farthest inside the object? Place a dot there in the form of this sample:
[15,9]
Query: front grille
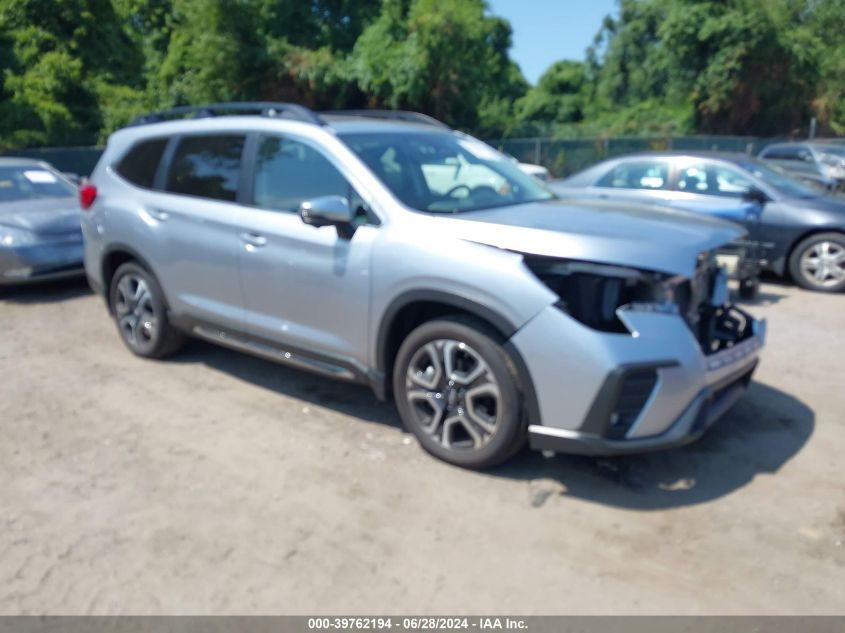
[636,389]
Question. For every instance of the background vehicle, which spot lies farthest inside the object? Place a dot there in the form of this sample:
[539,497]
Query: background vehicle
[817,163]
[538,171]
[40,235]
[493,313]
[801,231]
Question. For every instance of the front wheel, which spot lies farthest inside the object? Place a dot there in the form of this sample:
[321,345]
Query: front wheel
[456,391]
[818,262]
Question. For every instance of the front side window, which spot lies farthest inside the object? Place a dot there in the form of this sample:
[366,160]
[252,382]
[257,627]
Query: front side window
[27,182]
[288,172]
[442,172]
[713,180]
[207,167]
[141,162]
[645,174]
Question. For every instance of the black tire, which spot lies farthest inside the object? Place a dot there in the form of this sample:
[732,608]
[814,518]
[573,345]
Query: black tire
[749,289]
[154,336]
[474,341]
[804,277]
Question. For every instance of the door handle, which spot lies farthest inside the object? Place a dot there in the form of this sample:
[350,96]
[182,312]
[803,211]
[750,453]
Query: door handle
[157,214]
[253,239]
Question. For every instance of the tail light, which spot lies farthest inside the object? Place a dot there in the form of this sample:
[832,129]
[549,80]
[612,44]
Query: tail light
[87,195]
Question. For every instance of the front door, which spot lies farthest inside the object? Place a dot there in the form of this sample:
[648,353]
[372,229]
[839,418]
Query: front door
[306,289]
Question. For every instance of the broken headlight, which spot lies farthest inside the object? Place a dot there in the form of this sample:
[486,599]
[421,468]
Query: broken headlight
[592,293]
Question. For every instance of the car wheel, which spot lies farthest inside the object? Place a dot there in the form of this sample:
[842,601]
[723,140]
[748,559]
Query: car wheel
[818,262]
[139,310]
[456,391]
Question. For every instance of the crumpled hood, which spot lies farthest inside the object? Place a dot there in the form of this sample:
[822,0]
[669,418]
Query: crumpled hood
[641,236]
[47,216]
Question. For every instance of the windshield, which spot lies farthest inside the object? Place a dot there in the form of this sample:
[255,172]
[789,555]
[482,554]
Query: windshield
[26,182]
[443,172]
[778,179]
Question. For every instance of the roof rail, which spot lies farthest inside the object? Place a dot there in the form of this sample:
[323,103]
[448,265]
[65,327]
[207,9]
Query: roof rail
[261,108]
[395,115]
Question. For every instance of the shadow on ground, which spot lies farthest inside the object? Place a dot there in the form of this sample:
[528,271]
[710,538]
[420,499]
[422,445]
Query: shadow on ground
[46,292]
[764,431]
[348,399]
[758,436]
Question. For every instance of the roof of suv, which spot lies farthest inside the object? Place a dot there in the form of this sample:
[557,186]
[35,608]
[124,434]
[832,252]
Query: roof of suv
[339,120]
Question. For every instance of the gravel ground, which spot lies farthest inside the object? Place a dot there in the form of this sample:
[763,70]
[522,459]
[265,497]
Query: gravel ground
[218,483]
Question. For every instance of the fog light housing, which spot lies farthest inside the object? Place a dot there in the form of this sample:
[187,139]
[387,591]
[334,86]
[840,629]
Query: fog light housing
[634,392]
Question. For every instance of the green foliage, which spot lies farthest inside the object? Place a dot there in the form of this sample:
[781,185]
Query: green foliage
[72,71]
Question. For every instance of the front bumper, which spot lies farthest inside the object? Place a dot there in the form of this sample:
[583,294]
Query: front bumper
[579,379]
[41,262]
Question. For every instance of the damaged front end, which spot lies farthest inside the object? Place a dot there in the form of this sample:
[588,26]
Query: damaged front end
[600,296]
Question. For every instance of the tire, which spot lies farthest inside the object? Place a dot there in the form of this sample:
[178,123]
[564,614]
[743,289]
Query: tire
[140,312]
[471,417]
[749,289]
[818,262]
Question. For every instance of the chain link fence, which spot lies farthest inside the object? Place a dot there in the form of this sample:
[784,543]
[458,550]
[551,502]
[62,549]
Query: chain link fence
[561,156]
[566,156]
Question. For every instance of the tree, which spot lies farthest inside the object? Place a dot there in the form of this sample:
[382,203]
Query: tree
[58,67]
[443,58]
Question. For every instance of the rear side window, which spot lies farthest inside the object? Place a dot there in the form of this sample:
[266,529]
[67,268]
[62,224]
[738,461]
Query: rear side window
[207,167]
[637,175]
[141,162]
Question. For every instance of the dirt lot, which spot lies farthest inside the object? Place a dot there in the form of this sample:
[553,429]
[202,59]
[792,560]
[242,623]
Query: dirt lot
[218,483]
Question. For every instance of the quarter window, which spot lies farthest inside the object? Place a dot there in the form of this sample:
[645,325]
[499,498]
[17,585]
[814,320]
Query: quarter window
[288,172]
[207,166]
[648,175]
[141,162]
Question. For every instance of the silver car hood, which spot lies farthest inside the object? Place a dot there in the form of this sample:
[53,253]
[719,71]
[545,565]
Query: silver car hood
[44,216]
[641,236]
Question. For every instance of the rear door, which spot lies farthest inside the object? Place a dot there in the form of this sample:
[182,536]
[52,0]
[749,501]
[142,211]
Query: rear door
[196,217]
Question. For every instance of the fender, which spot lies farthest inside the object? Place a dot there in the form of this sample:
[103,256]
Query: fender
[380,382]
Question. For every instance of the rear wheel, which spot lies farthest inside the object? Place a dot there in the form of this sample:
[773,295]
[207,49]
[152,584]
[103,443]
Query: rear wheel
[138,306]
[818,262]
[456,391]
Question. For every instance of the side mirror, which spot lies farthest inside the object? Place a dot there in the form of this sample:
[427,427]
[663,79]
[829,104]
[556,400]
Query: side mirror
[753,194]
[327,211]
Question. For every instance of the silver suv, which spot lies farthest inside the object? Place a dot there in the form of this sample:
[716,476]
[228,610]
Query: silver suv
[387,249]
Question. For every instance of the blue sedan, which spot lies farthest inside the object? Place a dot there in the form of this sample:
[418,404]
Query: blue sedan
[40,234]
[800,230]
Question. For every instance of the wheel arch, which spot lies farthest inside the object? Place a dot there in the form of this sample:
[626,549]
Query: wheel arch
[816,230]
[413,308]
[115,256]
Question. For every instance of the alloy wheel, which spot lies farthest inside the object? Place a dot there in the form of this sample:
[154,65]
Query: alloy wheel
[135,312]
[823,264]
[453,394]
